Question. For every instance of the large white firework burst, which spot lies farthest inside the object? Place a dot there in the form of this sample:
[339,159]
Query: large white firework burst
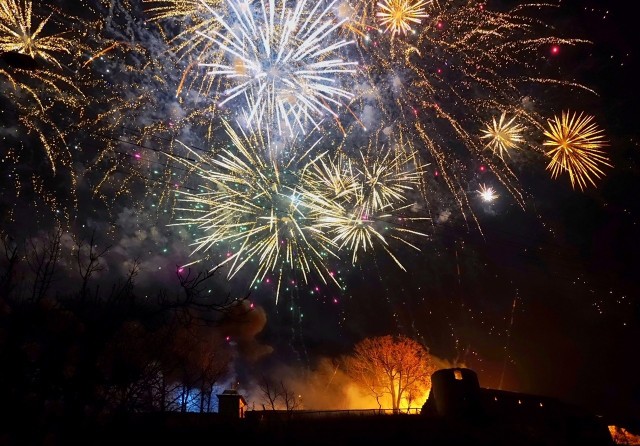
[283,60]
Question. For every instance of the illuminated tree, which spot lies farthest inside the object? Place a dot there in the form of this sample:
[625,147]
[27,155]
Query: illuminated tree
[396,366]
[197,358]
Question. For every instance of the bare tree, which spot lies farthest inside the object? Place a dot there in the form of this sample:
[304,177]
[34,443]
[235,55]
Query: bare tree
[213,364]
[118,351]
[124,290]
[289,398]
[42,259]
[196,301]
[88,259]
[269,391]
[385,365]
[278,395]
[11,260]
[412,394]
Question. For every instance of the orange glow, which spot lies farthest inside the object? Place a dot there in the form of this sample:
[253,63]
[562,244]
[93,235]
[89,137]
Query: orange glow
[620,435]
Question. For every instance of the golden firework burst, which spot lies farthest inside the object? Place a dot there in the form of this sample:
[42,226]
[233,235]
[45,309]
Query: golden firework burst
[576,148]
[503,135]
[398,16]
[37,89]
[17,33]
[41,89]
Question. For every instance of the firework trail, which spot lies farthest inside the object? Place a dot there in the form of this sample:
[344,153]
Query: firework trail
[43,93]
[34,68]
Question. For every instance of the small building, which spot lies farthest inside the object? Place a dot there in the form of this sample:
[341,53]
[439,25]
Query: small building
[231,404]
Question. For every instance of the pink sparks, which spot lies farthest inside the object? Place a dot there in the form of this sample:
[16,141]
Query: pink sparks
[137,156]
[180,269]
[440,25]
[317,289]
[268,280]
[228,338]
[335,301]
[251,305]
[555,49]
[482,168]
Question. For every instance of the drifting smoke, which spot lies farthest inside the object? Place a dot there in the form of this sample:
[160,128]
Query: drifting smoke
[242,327]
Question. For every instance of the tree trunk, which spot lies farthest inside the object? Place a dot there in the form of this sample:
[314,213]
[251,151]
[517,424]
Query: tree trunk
[185,399]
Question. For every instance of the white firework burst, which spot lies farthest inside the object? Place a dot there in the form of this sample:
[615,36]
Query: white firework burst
[283,60]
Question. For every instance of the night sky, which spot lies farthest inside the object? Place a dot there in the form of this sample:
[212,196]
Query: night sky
[542,298]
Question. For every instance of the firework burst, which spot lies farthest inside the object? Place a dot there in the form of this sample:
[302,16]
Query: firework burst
[576,148]
[503,135]
[487,193]
[33,51]
[259,209]
[296,216]
[361,206]
[398,16]
[277,67]
[282,61]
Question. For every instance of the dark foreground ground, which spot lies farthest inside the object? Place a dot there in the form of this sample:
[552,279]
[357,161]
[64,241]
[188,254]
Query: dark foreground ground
[263,428]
